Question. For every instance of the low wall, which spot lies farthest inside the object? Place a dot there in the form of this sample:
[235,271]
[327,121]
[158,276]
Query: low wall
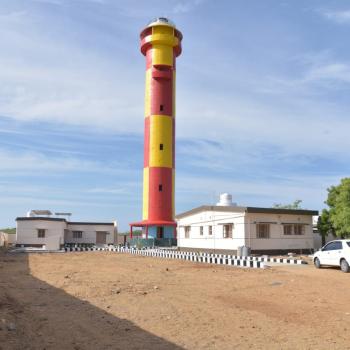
[255,252]
[218,259]
[221,259]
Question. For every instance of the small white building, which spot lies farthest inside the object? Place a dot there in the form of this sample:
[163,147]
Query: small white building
[226,226]
[53,232]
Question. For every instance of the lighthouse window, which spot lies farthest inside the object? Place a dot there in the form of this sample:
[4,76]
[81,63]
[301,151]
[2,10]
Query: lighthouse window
[161,108]
[160,188]
[161,147]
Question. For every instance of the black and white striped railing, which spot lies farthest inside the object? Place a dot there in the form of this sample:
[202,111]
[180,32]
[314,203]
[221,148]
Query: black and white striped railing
[280,260]
[257,258]
[250,258]
[160,253]
[223,259]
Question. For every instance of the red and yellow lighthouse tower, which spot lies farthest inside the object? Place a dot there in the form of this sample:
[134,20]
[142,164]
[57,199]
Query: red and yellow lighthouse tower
[161,44]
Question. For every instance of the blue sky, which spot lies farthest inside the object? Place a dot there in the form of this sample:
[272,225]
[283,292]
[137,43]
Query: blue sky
[262,103]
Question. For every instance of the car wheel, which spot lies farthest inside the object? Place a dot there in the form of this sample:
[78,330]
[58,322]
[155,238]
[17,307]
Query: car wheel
[317,263]
[344,266]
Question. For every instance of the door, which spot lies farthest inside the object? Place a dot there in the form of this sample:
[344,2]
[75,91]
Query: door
[160,232]
[336,253]
[101,237]
[331,253]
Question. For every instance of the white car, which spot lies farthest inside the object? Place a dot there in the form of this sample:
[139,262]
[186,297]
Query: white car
[334,253]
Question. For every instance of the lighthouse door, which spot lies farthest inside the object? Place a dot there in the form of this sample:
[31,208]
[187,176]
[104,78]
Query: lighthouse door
[160,232]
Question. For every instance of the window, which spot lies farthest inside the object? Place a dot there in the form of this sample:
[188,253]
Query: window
[161,108]
[228,231]
[299,229]
[161,147]
[187,231]
[210,230]
[333,246]
[41,233]
[338,246]
[262,230]
[293,229]
[160,188]
[288,229]
[77,234]
[348,243]
[201,230]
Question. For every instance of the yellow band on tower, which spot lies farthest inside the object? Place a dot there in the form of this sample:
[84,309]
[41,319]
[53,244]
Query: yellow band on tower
[161,141]
[148,92]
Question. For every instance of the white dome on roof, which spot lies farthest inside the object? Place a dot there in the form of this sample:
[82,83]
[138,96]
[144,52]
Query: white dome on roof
[161,20]
[226,200]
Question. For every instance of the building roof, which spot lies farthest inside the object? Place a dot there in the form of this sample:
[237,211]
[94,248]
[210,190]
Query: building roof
[25,218]
[89,223]
[239,209]
[31,218]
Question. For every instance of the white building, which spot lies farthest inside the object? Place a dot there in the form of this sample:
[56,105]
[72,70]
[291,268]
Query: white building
[227,227]
[54,232]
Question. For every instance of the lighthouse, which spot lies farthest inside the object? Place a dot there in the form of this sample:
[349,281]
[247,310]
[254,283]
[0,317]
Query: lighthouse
[161,45]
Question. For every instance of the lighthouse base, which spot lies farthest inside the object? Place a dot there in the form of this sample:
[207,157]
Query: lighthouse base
[154,234]
[155,229]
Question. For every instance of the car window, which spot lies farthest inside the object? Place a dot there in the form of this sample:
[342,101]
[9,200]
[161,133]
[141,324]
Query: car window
[328,246]
[348,243]
[333,246]
[325,248]
[338,245]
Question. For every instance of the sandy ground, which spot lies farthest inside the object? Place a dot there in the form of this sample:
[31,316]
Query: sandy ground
[102,300]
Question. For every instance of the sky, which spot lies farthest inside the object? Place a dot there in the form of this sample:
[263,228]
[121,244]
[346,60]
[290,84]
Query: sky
[262,110]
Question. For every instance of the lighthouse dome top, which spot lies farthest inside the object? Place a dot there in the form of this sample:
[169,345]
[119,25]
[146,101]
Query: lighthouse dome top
[161,21]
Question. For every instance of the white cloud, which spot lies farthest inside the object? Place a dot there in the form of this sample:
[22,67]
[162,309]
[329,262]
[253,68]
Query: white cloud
[49,76]
[27,163]
[125,190]
[342,17]
[186,6]
[41,201]
[55,78]
[294,124]
[52,2]
[205,190]
[62,2]
[321,74]
[333,71]
[12,17]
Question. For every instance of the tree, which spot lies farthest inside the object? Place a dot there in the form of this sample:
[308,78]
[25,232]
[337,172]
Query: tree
[339,208]
[294,205]
[324,226]
[9,230]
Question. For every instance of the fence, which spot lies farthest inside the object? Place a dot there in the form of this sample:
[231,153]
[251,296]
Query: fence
[218,259]
[191,256]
